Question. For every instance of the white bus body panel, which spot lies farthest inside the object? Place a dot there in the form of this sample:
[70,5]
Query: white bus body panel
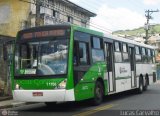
[123,70]
[145,69]
[48,95]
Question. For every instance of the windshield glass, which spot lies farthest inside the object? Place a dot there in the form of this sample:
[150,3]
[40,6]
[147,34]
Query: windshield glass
[41,58]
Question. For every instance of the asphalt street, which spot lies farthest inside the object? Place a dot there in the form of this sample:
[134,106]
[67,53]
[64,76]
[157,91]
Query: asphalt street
[124,104]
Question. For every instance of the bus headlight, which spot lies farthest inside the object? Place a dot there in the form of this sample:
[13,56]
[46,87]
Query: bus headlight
[17,87]
[62,85]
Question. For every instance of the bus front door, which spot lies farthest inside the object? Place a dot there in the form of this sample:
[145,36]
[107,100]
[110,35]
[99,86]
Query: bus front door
[110,69]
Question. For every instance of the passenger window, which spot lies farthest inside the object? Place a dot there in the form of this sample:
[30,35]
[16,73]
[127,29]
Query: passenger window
[97,55]
[138,55]
[125,53]
[118,57]
[117,46]
[83,53]
[117,53]
[97,51]
[137,50]
[144,55]
[125,48]
[96,43]
[149,56]
[143,51]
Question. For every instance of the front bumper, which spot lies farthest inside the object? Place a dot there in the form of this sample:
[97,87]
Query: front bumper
[61,95]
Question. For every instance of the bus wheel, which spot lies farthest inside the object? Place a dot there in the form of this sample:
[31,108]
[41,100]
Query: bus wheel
[140,88]
[50,104]
[98,93]
[145,87]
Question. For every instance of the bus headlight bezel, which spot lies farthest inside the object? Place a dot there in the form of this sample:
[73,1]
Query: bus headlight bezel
[18,87]
[62,85]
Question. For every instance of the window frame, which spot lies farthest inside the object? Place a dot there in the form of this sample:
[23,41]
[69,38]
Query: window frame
[87,53]
[69,19]
[119,51]
[125,52]
[101,46]
[119,46]
[144,55]
[82,37]
[138,54]
[139,50]
[56,14]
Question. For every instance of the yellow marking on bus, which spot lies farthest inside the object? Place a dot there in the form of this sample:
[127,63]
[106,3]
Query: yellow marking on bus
[95,110]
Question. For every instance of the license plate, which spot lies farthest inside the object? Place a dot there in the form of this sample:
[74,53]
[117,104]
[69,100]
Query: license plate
[37,94]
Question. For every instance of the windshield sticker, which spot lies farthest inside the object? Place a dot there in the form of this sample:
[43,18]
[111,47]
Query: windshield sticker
[30,71]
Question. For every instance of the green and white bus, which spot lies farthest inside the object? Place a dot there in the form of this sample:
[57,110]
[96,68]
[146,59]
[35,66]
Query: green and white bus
[62,63]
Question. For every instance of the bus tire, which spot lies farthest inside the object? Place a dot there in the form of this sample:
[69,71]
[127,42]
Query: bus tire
[140,88]
[50,104]
[145,87]
[98,93]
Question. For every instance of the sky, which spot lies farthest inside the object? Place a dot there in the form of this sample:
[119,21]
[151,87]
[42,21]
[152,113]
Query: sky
[115,15]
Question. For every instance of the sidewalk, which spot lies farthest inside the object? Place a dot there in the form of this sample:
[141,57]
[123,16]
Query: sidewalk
[158,82]
[10,103]
[3,98]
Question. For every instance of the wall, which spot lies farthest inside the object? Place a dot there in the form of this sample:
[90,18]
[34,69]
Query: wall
[13,13]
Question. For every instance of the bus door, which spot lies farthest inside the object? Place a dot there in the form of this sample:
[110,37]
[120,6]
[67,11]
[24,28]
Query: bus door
[133,67]
[110,69]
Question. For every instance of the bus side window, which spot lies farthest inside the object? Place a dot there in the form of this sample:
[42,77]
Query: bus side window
[125,53]
[149,56]
[117,52]
[153,56]
[97,49]
[83,53]
[144,55]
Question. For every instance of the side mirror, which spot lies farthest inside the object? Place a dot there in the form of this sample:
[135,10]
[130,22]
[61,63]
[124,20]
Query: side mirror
[4,52]
[81,53]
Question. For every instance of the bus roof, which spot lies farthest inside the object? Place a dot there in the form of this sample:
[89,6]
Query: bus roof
[87,30]
[128,41]
[113,37]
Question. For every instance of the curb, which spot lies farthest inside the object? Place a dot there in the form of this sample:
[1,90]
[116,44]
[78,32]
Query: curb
[12,105]
[6,98]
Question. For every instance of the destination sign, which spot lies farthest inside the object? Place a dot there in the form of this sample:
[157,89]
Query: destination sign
[40,34]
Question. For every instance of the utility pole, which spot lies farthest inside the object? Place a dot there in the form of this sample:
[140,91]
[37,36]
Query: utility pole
[38,16]
[148,16]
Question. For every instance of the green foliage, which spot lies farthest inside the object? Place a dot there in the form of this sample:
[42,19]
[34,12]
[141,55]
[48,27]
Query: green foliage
[155,29]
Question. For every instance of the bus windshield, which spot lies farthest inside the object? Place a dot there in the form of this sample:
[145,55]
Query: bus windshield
[41,58]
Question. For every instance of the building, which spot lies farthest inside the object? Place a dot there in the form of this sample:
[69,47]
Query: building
[12,15]
[155,41]
[20,14]
[6,48]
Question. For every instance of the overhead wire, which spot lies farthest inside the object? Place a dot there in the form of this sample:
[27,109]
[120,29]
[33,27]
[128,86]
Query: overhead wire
[98,3]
